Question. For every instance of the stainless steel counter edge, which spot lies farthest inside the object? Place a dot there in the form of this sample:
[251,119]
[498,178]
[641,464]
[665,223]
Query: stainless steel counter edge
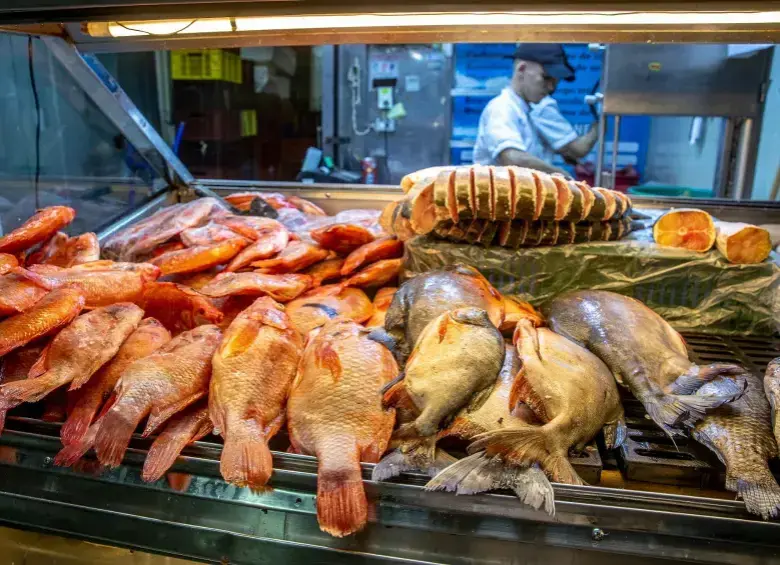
[219,520]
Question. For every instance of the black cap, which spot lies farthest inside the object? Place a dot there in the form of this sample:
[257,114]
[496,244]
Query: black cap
[550,55]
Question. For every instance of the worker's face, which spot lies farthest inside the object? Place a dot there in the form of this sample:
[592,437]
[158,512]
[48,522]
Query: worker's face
[532,82]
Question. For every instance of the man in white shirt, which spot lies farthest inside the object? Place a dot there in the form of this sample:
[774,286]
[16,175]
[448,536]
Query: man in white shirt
[522,125]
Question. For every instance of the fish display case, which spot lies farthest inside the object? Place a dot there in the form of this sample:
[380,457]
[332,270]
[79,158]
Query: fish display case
[650,501]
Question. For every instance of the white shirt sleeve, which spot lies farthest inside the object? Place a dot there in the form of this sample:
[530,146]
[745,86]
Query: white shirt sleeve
[499,129]
[556,130]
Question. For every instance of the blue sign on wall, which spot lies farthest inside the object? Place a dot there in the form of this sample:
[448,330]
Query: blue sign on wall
[482,70]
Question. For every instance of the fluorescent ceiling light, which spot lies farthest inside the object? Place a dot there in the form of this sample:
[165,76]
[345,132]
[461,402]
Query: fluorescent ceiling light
[471,19]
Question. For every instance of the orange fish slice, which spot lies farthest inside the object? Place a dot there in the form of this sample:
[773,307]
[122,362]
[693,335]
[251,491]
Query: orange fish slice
[78,351]
[14,367]
[325,271]
[342,238]
[53,311]
[85,402]
[64,251]
[306,207]
[279,287]
[253,370]
[159,385]
[385,248]
[199,258]
[7,262]
[183,429]
[382,299]
[178,307]
[685,228]
[376,274]
[43,225]
[18,293]
[251,227]
[327,303]
[265,247]
[99,287]
[209,234]
[295,257]
[335,413]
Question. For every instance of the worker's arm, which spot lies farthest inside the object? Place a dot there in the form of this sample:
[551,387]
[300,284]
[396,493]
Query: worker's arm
[580,147]
[519,158]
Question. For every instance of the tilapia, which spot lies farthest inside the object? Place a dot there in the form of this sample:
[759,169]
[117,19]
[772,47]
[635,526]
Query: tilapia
[64,251]
[342,238]
[323,271]
[209,234]
[377,250]
[644,353]
[740,434]
[78,351]
[37,229]
[279,287]
[295,257]
[178,307]
[328,303]
[305,206]
[458,355]
[478,472]
[18,293]
[15,367]
[251,227]
[85,402]
[253,369]
[335,412]
[159,385]
[49,314]
[7,262]
[200,257]
[183,429]
[566,395]
[428,295]
[266,246]
[382,299]
[376,274]
[772,389]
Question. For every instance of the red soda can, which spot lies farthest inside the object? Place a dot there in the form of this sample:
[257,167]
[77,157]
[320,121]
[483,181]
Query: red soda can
[368,165]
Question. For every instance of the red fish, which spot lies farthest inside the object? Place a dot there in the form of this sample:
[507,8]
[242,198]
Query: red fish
[253,370]
[385,248]
[327,303]
[199,258]
[325,271]
[280,287]
[376,274]
[18,293]
[78,351]
[64,251]
[7,262]
[159,385]
[265,247]
[209,234]
[177,307]
[295,257]
[251,227]
[85,403]
[342,238]
[167,247]
[183,429]
[52,312]
[306,207]
[15,367]
[382,299]
[42,226]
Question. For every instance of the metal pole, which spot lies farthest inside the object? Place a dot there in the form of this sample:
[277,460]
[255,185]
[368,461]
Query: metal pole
[615,143]
[741,160]
[724,159]
[597,179]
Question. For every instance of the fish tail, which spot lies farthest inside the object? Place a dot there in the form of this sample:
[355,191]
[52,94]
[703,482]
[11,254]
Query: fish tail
[698,375]
[246,459]
[414,455]
[526,445]
[3,412]
[479,473]
[761,494]
[71,453]
[342,507]
[32,390]
[77,424]
[162,455]
[116,429]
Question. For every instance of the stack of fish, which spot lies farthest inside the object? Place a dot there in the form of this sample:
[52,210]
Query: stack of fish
[193,340]
[507,206]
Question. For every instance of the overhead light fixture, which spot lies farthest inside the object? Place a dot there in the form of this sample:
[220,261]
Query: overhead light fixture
[423,20]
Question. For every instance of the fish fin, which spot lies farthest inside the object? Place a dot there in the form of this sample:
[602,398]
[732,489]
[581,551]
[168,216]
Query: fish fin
[3,413]
[479,398]
[761,497]
[41,364]
[77,424]
[342,507]
[615,433]
[693,379]
[478,473]
[394,392]
[525,445]
[421,456]
[32,390]
[71,453]
[161,415]
[671,411]
[390,341]
[523,392]
[246,459]
[166,449]
[116,429]
[38,280]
